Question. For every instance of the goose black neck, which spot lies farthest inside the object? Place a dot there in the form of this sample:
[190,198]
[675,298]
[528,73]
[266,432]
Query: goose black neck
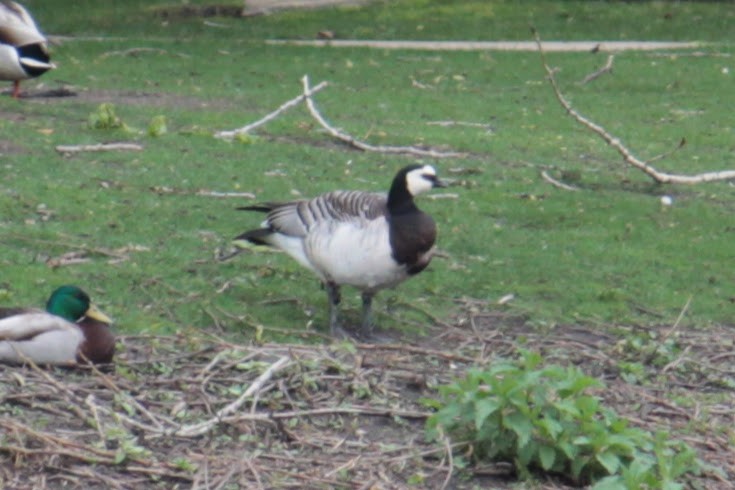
[400,201]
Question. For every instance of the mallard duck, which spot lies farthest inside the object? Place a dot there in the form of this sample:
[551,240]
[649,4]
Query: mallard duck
[362,239]
[23,50]
[70,331]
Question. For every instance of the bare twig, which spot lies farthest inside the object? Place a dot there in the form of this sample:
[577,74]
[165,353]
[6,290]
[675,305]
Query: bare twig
[284,107]
[446,195]
[682,144]
[246,195]
[354,410]
[450,458]
[137,51]
[561,185]
[351,141]
[99,147]
[607,68]
[658,176]
[207,425]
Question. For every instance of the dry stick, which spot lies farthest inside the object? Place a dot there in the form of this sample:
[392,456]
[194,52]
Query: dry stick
[137,51]
[285,106]
[83,248]
[107,381]
[247,195]
[206,426]
[351,141]
[99,147]
[660,177]
[416,350]
[561,185]
[353,410]
[87,472]
[450,458]
[597,74]
[256,474]
[668,334]
[666,154]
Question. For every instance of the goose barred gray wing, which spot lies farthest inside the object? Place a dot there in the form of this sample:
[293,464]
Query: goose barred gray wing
[296,218]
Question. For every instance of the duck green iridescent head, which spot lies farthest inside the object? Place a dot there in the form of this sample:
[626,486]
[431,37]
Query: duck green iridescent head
[71,303]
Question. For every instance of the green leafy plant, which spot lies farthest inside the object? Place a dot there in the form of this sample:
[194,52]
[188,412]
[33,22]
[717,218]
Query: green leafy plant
[157,126]
[106,118]
[544,419]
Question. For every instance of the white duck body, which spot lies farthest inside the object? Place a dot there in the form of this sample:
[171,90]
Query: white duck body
[39,336]
[71,331]
[23,48]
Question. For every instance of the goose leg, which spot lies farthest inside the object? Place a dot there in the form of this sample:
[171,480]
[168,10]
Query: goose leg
[366,329]
[334,299]
[16,89]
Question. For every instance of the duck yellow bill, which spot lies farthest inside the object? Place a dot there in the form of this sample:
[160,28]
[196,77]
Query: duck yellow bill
[96,314]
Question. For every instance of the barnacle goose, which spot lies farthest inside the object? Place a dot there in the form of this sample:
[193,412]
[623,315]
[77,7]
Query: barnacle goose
[23,50]
[362,239]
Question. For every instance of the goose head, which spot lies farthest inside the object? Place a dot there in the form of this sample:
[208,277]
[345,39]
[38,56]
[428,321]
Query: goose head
[409,182]
[72,304]
[420,178]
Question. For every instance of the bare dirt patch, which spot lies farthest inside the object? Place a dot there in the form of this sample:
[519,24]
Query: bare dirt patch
[335,416]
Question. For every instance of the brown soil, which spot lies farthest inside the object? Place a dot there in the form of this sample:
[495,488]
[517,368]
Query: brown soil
[334,417]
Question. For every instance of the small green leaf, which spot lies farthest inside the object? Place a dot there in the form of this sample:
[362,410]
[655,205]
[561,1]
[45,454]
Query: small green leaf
[120,456]
[581,441]
[552,427]
[521,425]
[483,409]
[610,483]
[610,461]
[547,457]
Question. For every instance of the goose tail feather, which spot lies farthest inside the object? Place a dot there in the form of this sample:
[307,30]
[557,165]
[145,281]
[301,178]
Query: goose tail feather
[258,236]
[261,208]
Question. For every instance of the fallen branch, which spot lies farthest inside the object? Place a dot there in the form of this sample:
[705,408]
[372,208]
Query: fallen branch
[355,410]
[351,141]
[207,425]
[446,195]
[246,195]
[99,147]
[137,51]
[284,107]
[561,185]
[658,176]
[597,74]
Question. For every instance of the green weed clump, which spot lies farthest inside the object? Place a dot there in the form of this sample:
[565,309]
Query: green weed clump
[105,118]
[544,419]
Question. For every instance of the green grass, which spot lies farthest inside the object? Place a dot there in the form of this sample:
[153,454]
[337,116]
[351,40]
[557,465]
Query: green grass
[607,254]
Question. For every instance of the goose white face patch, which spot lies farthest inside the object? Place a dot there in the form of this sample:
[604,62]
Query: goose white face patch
[420,180]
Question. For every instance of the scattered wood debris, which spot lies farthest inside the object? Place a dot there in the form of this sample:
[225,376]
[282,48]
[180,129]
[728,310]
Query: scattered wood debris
[197,411]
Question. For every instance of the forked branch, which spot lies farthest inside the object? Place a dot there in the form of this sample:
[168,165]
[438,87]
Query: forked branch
[306,97]
[628,156]
[351,141]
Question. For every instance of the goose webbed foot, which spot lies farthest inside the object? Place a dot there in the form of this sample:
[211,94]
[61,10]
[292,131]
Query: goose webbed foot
[367,328]
[335,326]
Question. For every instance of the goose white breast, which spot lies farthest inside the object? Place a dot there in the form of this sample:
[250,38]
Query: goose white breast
[366,240]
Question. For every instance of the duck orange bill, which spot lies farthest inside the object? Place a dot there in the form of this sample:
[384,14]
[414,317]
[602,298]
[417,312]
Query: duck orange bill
[96,314]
